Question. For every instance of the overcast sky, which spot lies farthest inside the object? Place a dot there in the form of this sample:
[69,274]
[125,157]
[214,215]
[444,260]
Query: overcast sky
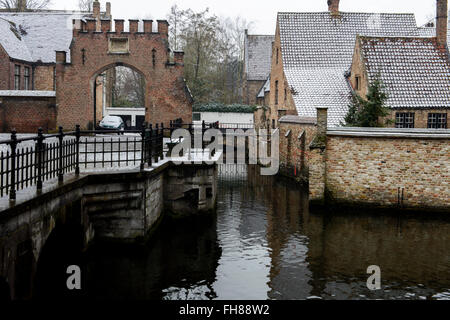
[261,12]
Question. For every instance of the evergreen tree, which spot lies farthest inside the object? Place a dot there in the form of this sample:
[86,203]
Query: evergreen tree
[367,112]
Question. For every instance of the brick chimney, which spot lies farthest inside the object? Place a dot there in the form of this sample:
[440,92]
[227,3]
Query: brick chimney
[108,10]
[441,22]
[333,7]
[22,5]
[96,9]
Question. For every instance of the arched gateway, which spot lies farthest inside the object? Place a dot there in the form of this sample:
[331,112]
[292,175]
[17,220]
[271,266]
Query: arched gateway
[92,52]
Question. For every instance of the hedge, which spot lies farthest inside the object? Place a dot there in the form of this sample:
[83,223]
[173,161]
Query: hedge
[220,107]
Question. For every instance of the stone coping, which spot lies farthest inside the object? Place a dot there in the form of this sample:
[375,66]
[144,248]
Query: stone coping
[27,93]
[52,188]
[390,132]
[298,120]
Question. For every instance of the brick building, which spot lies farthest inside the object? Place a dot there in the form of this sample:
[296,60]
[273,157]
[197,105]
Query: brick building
[257,58]
[416,76]
[312,53]
[64,52]
[415,72]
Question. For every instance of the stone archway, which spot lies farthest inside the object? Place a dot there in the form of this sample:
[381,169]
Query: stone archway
[167,96]
[63,248]
[102,85]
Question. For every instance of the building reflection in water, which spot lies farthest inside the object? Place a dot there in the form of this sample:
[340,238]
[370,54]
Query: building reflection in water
[327,254]
[264,244]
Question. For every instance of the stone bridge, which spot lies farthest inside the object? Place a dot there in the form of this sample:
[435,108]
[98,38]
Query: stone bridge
[124,206]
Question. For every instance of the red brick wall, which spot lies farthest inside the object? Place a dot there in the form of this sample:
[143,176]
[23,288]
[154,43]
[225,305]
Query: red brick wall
[251,90]
[43,78]
[166,94]
[22,65]
[43,75]
[4,69]
[27,114]
[294,152]
[285,98]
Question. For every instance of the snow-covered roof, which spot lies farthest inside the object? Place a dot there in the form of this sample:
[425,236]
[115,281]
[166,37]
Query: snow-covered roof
[258,54]
[27,93]
[317,50]
[414,71]
[431,32]
[35,36]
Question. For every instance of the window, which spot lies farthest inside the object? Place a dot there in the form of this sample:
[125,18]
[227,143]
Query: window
[437,121]
[26,76]
[17,77]
[357,83]
[404,120]
[277,55]
[276,92]
[285,94]
[273,123]
[196,117]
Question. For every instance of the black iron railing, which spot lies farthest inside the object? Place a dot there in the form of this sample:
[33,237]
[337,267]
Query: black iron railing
[31,161]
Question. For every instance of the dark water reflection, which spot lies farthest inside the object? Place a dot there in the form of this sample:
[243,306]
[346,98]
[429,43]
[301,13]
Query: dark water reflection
[264,244]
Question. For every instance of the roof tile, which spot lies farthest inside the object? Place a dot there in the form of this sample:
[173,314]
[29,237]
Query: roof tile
[317,50]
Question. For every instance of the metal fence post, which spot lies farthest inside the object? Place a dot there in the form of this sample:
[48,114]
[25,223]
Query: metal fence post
[39,148]
[61,150]
[203,134]
[144,127]
[162,141]
[77,140]
[156,146]
[191,133]
[13,144]
[150,145]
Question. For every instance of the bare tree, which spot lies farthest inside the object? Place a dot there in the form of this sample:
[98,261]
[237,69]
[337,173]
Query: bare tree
[128,89]
[214,53]
[85,5]
[15,5]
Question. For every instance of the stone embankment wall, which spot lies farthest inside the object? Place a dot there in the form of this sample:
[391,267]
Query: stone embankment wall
[379,167]
[123,206]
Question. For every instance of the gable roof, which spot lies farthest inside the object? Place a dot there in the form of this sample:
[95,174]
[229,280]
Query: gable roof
[265,88]
[317,50]
[258,54]
[35,36]
[414,71]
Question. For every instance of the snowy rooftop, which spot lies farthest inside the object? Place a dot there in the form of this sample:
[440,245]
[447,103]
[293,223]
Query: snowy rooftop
[317,50]
[35,36]
[27,93]
[258,54]
[414,71]
[431,32]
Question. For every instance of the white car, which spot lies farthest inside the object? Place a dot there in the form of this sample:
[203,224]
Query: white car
[112,123]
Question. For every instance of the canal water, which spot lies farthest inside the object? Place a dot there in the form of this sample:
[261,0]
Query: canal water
[264,243]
